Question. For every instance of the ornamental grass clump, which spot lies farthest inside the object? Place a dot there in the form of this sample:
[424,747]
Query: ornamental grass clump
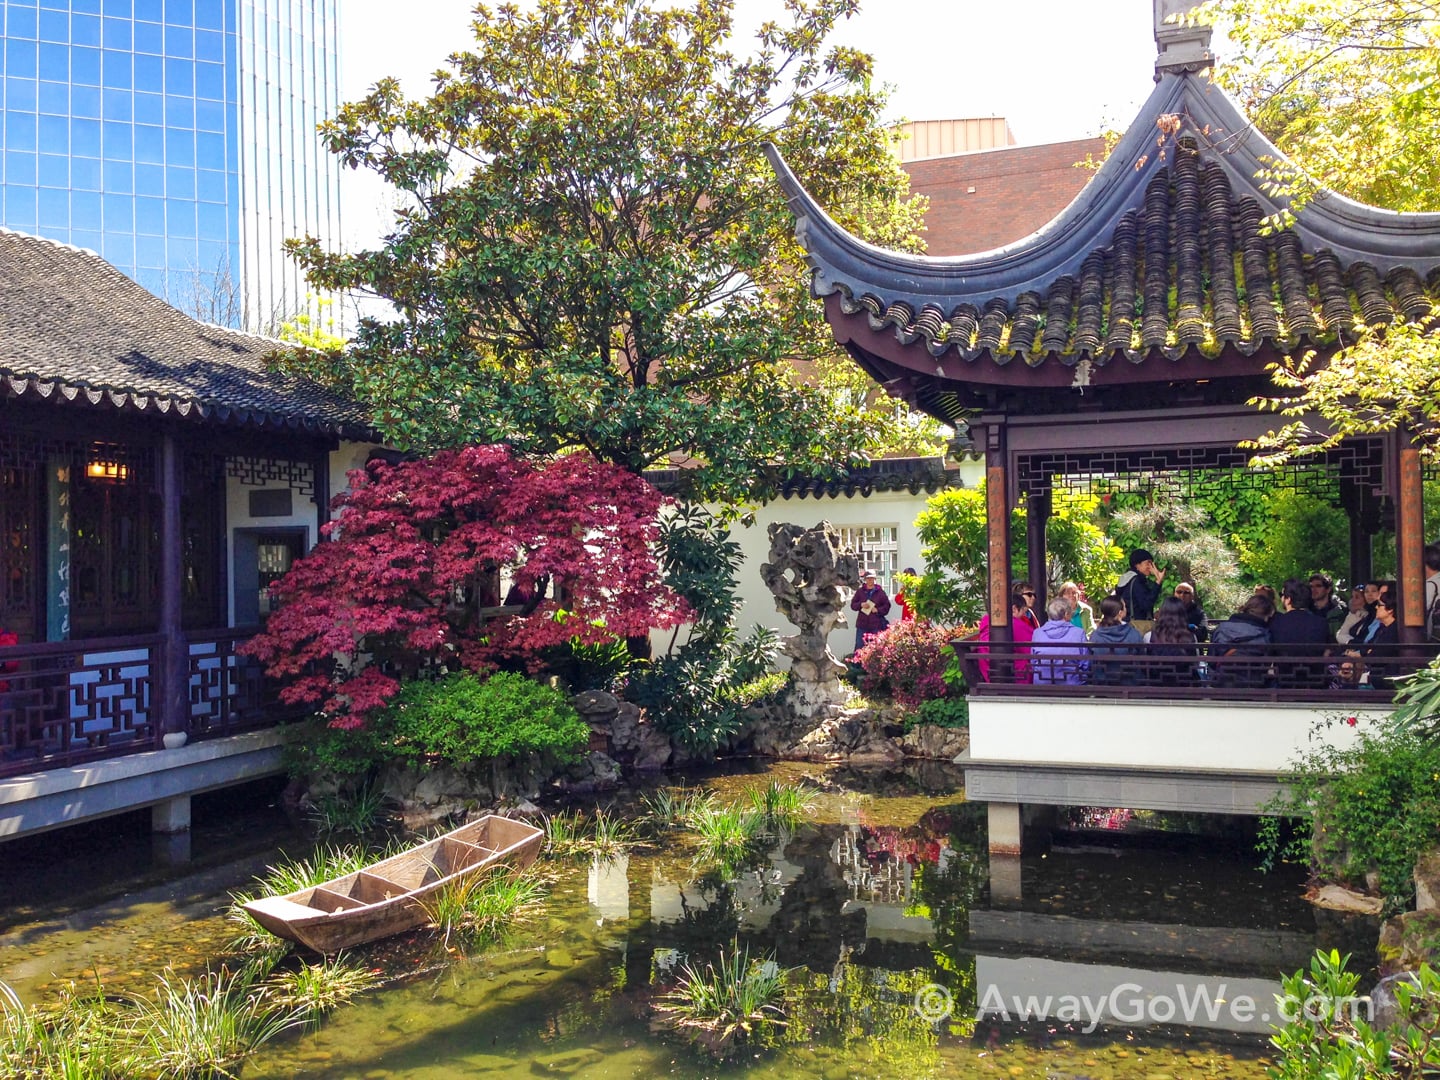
[205,1026]
[72,1040]
[670,807]
[476,909]
[728,834]
[725,1005]
[320,988]
[570,834]
[781,806]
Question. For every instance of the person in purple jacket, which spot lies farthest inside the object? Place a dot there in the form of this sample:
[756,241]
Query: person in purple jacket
[1057,648]
[873,607]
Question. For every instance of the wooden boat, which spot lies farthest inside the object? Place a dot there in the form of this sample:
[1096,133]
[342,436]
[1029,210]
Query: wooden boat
[389,897]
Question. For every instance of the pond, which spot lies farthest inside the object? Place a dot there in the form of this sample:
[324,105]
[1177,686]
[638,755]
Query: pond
[893,926]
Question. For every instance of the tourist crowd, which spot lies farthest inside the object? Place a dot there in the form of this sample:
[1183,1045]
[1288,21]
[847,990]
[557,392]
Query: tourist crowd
[1301,637]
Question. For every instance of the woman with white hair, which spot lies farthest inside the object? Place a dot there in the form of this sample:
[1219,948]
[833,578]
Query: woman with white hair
[1057,648]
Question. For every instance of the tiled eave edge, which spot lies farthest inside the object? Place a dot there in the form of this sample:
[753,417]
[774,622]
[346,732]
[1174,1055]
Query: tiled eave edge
[139,403]
[1353,232]
[861,332]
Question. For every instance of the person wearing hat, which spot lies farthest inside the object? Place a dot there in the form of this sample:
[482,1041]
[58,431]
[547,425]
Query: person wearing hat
[873,605]
[1138,591]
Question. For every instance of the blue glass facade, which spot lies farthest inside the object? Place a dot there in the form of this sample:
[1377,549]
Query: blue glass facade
[124,133]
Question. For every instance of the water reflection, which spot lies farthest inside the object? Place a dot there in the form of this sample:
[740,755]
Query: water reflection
[875,898]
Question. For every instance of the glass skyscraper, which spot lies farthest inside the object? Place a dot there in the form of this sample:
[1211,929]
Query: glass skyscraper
[177,139]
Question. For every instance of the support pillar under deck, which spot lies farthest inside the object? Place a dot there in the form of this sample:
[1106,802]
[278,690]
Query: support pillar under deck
[1005,830]
[171,816]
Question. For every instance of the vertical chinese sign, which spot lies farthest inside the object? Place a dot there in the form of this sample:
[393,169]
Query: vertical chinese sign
[57,574]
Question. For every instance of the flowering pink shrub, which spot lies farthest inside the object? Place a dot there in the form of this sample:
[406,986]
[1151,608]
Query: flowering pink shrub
[907,661]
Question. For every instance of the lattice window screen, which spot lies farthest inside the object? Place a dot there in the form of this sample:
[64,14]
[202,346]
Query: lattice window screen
[879,550]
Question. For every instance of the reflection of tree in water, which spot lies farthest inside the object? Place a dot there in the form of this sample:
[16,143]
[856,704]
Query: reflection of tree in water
[866,1013]
[848,986]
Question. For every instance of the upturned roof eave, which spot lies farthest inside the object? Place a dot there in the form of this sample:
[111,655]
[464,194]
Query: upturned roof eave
[845,264]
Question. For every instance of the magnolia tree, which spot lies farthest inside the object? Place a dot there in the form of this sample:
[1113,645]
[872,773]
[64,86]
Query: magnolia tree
[392,593]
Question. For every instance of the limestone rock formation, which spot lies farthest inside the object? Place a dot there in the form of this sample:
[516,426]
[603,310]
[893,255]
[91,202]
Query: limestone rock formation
[806,572]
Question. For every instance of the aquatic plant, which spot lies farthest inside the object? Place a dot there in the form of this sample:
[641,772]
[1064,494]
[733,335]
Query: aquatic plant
[610,834]
[781,805]
[728,834]
[563,833]
[73,1039]
[478,908]
[354,812]
[320,988]
[724,1004]
[669,807]
[568,834]
[202,1027]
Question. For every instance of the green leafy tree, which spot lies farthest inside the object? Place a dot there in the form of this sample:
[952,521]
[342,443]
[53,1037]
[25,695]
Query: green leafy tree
[953,531]
[593,251]
[1179,533]
[1347,89]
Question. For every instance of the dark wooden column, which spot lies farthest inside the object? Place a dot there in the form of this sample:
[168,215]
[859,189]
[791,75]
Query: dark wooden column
[1037,517]
[997,528]
[322,494]
[1409,543]
[173,700]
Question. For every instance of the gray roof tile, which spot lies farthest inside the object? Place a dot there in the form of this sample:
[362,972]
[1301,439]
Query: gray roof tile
[74,328]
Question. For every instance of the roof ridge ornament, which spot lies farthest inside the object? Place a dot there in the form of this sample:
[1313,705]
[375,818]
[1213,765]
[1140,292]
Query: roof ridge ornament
[1182,43]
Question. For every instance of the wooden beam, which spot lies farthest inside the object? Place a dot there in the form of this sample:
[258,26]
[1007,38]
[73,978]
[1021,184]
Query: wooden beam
[1409,544]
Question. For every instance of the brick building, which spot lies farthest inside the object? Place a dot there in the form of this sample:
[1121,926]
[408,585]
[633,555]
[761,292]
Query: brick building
[984,191]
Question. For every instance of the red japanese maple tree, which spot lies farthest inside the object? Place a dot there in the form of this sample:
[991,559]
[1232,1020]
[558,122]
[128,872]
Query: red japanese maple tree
[391,592]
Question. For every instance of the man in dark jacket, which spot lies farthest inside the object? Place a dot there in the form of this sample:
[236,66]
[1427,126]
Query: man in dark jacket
[1136,588]
[1326,604]
[1305,631]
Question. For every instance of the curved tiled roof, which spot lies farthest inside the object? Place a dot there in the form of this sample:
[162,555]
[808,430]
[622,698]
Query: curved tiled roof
[75,329]
[1161,254]
[912,474]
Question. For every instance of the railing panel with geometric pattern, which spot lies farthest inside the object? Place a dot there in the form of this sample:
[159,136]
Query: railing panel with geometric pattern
[68,702]
[1280,673]
[229,692]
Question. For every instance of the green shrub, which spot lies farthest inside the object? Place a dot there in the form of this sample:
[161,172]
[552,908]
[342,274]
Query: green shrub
[698,694]
[457,718]
[461,718]
[582,667]
[1375,806]
[941,712]
[1326,1033]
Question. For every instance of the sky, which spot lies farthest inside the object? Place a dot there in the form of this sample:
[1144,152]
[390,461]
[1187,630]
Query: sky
[1055,69]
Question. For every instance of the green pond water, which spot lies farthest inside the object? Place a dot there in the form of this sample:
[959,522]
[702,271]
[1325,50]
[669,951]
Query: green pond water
[895,928]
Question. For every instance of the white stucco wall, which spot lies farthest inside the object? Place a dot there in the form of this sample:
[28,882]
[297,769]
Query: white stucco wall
[1228,736]
[303,515]
[899,509]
